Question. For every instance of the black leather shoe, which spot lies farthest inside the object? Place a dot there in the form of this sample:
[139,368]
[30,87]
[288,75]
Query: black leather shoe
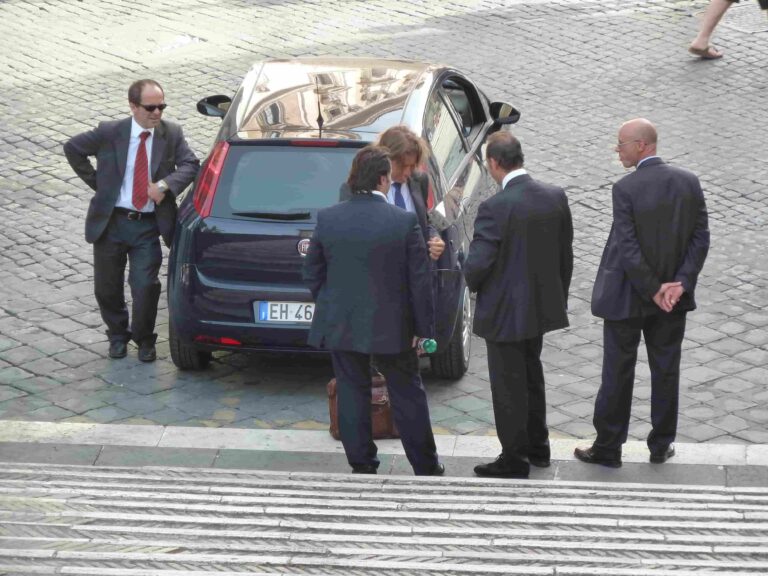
[147,352]
[539,461]
[664,455]
[438,470]
[503,467]
[589,456]
[363,469]
[117,349]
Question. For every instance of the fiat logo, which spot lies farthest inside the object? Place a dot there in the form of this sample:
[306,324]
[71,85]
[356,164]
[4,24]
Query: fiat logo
[303,247]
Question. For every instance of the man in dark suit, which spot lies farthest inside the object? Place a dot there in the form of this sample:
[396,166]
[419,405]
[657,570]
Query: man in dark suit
[409,188]
[520,264]
[369,275]
[645,285]
[142,163]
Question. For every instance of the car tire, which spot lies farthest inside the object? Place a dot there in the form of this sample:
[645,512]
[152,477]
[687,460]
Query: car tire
[186,357]
[453,362]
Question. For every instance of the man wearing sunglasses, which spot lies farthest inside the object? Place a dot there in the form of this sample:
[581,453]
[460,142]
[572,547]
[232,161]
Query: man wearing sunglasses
[142,163]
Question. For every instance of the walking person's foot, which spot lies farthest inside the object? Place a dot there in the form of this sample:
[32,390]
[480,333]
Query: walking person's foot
[706,53]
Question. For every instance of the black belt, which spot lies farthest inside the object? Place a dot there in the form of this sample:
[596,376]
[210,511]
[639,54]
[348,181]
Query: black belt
[132,214]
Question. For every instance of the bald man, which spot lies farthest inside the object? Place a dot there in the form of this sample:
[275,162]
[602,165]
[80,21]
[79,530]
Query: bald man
[645,285]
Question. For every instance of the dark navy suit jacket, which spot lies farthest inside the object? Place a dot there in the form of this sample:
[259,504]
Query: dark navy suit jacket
[520,261]
[659,234]
[172,161]
[368,271]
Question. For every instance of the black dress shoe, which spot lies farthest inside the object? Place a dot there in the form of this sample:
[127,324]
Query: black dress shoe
[503,467]
[117,349]
[664,455]
[589,456]
[438,470]
[147,352]
[363,469]
[539,461]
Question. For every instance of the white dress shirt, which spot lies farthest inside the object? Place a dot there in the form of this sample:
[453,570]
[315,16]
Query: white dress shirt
[126,189]
[513,174]
[406,196]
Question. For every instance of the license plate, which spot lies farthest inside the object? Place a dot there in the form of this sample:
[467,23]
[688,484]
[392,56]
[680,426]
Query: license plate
[300,312]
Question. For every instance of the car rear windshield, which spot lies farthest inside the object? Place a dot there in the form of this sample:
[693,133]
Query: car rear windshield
[275,180]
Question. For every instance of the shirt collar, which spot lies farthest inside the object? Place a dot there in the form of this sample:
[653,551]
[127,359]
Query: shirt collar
[377,193]
[513,174]
[644,159]
[136,129]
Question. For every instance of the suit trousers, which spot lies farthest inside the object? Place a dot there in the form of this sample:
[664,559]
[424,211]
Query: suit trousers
[137,243]
[519,399]
[408,400]
[663,334]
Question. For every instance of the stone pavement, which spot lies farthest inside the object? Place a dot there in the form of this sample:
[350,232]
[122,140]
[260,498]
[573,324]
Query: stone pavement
[575,68]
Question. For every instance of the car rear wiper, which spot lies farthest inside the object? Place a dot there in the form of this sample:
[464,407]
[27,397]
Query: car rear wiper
[275,215]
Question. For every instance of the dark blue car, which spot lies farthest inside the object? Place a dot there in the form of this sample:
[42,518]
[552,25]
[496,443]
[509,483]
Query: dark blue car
[285,146]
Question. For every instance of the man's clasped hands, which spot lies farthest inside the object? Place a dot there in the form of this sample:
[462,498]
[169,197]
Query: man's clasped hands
[668,295]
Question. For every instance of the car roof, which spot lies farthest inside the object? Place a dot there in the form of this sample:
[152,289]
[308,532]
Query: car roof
[357,98]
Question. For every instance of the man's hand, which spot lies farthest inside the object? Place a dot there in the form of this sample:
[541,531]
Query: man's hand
[154,193]
[668,295]
[436,247]
[415,343]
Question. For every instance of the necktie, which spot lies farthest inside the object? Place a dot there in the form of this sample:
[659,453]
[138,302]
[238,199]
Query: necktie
[399,200]
[141,173]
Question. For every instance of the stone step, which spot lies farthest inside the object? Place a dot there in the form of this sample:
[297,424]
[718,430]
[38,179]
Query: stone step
[136,521]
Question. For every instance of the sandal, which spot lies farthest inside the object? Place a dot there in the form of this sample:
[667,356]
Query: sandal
[708,53]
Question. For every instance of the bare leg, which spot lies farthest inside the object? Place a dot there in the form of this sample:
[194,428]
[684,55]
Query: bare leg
[710,20]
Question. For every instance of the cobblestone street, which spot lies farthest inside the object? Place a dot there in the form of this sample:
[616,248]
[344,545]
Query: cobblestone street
[576,69]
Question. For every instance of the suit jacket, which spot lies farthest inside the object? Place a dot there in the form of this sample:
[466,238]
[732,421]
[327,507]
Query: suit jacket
[520,261]
[172,161]
[418,188]
[368,272]
[659,234]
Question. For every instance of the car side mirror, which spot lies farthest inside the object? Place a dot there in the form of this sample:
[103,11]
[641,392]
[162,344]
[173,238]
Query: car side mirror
[503,113]
[214,105]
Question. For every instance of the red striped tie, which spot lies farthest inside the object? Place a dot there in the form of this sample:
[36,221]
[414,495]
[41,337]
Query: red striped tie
[141,173]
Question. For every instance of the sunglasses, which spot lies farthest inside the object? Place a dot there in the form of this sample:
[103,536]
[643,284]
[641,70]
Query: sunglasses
[153,107]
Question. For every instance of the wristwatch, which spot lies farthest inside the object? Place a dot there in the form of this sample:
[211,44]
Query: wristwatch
[162,186]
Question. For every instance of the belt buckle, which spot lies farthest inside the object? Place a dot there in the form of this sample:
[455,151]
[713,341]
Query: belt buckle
[133,215]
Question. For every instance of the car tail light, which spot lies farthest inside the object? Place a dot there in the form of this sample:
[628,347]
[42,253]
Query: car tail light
[206,190]
[222,340]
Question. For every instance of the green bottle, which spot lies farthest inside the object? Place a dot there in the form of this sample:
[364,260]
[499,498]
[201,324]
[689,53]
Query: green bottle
[426,345]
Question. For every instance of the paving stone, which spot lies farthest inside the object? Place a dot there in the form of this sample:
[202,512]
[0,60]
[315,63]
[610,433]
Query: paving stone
[468,404]
[53,345]
[12,374]
[733,385]
[35,385]
[107,414]
[9,392]
[167,416]
[730,423]
[75,358]
[48,413]
[20,355]
[42,366]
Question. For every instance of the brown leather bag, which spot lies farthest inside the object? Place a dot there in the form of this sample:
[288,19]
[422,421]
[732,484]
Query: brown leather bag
[381,413]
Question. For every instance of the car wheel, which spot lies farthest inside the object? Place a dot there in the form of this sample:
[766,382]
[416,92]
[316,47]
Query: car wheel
[453,362]
[186,357]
